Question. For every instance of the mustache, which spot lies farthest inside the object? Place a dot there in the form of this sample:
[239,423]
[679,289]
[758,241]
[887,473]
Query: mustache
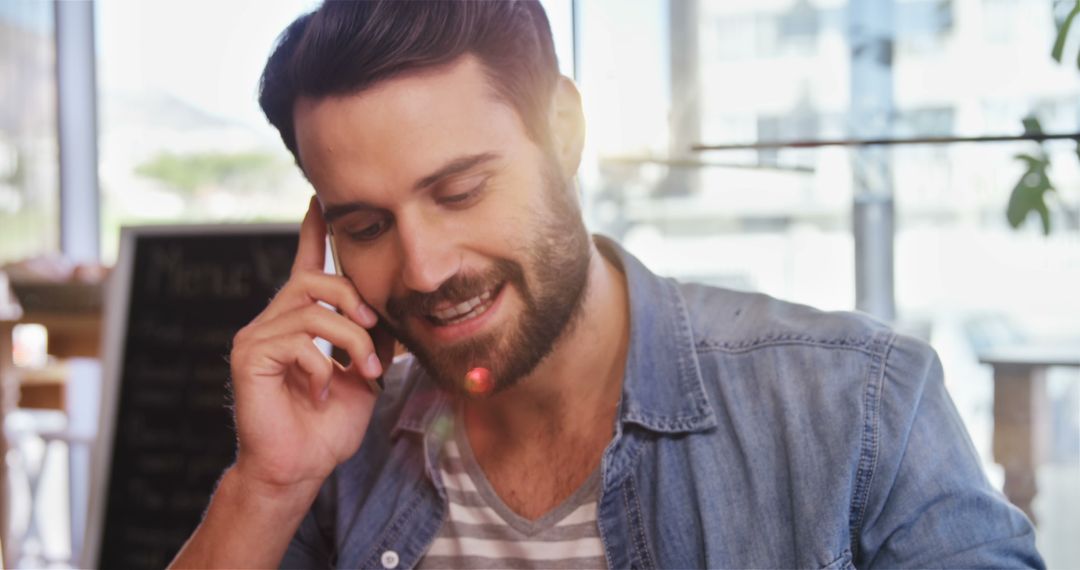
[457,289]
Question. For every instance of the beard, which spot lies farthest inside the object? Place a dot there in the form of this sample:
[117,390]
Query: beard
[558,255]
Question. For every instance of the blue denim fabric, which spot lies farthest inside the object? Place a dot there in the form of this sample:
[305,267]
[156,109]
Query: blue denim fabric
[752,433]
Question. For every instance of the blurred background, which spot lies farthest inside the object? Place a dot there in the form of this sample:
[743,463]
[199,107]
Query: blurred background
[725,145]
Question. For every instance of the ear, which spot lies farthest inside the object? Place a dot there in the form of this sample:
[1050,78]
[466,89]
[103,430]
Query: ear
[567,125]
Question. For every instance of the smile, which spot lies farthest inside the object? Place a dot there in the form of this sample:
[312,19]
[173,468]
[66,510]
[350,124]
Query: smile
[465,310]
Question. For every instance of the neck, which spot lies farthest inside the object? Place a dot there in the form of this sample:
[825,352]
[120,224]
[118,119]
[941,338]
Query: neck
[577,385]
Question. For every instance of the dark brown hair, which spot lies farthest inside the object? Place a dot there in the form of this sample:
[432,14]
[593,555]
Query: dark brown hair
[347,46]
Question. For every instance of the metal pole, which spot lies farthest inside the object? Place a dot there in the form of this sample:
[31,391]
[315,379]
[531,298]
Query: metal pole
[80,219]
[76,90]
[685,126]
[575,38]
[873,215]
[888,141]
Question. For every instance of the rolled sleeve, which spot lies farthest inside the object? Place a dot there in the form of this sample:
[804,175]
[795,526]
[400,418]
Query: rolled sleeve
[930,504]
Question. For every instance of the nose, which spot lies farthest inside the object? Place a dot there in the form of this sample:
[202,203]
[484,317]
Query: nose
[428,257]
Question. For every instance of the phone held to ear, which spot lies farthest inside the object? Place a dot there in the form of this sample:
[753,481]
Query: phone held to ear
[478,380]
[339,356]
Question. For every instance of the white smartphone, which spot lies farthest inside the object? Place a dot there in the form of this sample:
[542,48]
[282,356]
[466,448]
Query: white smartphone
[336,354]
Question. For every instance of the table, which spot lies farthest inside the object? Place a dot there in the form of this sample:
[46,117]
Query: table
[1021,411]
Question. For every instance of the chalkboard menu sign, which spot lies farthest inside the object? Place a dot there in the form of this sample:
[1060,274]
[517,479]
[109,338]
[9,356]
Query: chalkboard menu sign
[177,298]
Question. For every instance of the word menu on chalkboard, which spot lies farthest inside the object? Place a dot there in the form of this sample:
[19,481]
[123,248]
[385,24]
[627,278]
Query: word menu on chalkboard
[177,297]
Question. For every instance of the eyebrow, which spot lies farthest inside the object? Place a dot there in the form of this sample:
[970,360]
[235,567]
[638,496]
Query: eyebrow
[335,212]
[457,166]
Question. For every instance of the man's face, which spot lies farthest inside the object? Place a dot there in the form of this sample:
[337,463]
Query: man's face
[455,226]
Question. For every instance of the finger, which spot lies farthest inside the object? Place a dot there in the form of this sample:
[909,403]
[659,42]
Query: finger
[328,376]
[318,321]
[347,388]
[308,372]
[319,368]
[311,252]
[305,288]
[273,358]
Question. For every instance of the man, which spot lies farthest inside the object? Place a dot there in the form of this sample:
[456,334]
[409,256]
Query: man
[562,406]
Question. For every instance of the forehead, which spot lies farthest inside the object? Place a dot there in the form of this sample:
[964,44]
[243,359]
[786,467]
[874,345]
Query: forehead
[387,136]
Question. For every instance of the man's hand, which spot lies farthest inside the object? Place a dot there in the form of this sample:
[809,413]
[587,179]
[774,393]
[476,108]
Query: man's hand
[298,413]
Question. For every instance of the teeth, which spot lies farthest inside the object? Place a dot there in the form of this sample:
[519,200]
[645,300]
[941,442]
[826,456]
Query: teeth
[459,309]
[464,310]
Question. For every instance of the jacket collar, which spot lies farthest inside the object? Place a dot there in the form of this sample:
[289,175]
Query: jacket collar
[663,390]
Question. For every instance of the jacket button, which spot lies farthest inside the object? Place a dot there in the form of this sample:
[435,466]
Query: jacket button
[390,559]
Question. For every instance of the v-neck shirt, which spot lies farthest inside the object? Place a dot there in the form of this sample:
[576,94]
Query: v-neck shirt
[482,532]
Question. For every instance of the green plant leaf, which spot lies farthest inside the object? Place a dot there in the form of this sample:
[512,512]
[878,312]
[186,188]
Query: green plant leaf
[1029,194]
[1044,215]
[1034,163]
[1078,59]
[1032,126]
[1063,34]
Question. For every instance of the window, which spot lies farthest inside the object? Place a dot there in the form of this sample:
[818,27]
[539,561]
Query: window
[923,25]
[28,152]
[182,138]
[779,221]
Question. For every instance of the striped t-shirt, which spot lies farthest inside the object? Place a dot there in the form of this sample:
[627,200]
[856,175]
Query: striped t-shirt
[481,532]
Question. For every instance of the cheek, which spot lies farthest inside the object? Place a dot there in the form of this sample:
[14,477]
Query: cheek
[510,218]
[374,294]
[372,276]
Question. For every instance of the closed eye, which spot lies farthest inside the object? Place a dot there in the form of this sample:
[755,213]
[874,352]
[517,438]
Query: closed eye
[369,232]
[464,199]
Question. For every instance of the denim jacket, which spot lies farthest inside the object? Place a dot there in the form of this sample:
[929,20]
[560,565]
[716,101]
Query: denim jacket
[751,433]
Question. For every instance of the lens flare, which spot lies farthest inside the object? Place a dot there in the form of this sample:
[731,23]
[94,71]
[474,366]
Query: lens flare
[478,381]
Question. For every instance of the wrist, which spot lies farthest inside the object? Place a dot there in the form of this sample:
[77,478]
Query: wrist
[248,525]
[262,494]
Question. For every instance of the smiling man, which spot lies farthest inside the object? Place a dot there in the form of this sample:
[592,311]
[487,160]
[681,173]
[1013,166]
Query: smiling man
[441,158]
[561,406]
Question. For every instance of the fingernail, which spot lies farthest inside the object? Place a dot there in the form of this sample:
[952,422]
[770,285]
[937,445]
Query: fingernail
[366,315]
[372,366]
